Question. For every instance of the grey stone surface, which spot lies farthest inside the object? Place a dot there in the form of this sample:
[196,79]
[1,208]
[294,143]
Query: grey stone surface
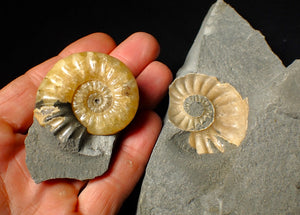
[262,176]
[46,159]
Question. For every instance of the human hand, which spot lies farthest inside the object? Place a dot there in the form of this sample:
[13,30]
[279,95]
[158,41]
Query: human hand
[105,194]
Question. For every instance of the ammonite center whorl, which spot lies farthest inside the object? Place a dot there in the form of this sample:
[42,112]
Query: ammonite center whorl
[87,92]
[201,109]
[209,110]
[95,95]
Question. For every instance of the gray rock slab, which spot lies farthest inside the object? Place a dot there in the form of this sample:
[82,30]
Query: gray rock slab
[262,176]
[46,160]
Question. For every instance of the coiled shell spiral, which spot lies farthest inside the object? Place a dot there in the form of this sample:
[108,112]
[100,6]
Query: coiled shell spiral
[208,109]
[87,91]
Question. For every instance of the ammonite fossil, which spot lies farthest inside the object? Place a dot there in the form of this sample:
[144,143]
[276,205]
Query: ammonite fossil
[209,110]
[86,93]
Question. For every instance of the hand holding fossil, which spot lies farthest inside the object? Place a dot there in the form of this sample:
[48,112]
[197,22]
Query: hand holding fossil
[103,195]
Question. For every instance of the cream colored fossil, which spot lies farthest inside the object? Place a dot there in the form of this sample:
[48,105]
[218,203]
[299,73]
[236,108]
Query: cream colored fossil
[209,110]
[87,91]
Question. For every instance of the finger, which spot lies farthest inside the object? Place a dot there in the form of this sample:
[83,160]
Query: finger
[105,194]
[137,51]
[96,42]
[18,98]
[153,84]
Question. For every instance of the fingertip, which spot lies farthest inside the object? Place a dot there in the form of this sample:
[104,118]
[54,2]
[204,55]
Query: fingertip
[96,42]
[162,71]
[153,84]
[137,51]
[149,40]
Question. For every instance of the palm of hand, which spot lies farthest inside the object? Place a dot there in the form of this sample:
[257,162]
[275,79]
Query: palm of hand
[105,194]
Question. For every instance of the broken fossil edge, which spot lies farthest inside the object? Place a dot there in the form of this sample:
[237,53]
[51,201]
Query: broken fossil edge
[81,105]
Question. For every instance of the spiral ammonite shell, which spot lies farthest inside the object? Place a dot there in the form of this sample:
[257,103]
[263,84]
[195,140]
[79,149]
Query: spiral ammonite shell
[87,91]
[208,109]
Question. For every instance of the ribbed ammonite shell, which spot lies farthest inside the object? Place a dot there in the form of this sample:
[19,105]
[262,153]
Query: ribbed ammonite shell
[87,91]
[208,109]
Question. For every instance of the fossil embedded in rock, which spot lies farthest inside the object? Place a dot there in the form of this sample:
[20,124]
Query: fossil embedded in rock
[208,109]
[86,92]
